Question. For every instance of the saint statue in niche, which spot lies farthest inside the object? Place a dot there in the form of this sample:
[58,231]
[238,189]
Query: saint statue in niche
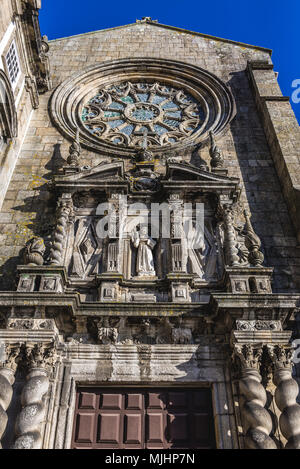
[145,245]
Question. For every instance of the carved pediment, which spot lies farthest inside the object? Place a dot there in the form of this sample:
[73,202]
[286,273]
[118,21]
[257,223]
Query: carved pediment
[186,177]
[104,171]
[187,172]
[104,174]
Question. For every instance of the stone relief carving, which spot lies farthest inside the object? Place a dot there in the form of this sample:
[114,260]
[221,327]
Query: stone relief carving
[258,325]
[34,251]
[39,355]
[87,248]
[106,333]
[31,324]
[136,331]
[64,210]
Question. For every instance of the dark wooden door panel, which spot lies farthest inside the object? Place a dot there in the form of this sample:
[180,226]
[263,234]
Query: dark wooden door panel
[120,418]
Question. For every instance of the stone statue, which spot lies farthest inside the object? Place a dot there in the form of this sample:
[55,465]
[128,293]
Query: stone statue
[145,245]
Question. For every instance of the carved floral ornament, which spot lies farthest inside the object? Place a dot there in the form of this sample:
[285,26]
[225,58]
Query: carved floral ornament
[121,106]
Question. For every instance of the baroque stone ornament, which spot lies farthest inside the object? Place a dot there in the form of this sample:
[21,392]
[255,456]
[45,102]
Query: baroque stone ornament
[74,152]
[32,416]
[107,334]
[34,252]
[257,422]
[217,159]
[286,394]
[64,209]
[258,325]
[7,378]
[252,242]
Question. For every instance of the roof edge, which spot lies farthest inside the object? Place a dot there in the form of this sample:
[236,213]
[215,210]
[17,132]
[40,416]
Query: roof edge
[174,28]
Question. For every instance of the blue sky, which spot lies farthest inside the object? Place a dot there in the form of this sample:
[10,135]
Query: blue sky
[269,23]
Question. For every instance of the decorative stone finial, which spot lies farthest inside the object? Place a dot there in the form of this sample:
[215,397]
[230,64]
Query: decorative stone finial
[34,251]
[252,242]
[147,19]
[74,151]
[217,159]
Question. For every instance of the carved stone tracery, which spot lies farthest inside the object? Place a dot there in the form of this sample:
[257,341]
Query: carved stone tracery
[122,113]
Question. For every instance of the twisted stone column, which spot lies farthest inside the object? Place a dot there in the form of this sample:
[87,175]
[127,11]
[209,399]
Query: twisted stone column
[285,395]
[30,421]
[231,251]
[7,379]
[63,212]
[257,421]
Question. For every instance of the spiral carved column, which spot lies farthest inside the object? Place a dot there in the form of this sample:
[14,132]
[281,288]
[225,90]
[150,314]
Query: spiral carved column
[286,393]
[29,424]
[64,210]
[7,379]
[257,421]
[231,251]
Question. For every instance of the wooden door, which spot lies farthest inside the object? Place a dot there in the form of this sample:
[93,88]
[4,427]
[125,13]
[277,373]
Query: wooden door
[137,418]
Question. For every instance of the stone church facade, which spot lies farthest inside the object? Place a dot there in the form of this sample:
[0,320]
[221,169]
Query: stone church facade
[135,338]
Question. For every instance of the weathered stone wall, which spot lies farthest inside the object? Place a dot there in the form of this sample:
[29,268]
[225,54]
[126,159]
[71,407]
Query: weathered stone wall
[5,16]
[28,207]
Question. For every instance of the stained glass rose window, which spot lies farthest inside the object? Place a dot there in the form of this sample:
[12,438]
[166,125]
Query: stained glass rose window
[129,113]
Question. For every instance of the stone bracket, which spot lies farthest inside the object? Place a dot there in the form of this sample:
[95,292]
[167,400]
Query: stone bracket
[109,286]
[248,279]
[41,279]
[179,287]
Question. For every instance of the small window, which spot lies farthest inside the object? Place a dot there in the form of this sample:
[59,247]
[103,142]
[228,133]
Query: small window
[13,65]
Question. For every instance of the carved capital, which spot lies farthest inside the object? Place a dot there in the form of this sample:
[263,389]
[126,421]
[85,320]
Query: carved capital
[281,356]
[40,355]
[250,356]
[12,359]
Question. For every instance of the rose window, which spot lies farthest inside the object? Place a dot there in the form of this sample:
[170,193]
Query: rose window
[133,114]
